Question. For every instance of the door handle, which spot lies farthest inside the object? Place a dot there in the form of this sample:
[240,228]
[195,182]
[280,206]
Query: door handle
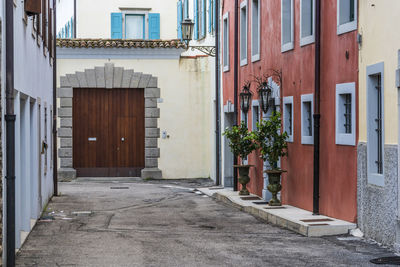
[118,148]
[123,139]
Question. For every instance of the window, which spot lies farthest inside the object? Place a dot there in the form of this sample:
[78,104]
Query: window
[288,117]
[255,30]
[243,33]
[287,25]
[307,24]
[255,114]
[200,19]
[346,16]
[225,55]
[375,126]
[185,9]
[134,27]
[243,117]
[345,114]
[307,111]
[211,16]
[137,24]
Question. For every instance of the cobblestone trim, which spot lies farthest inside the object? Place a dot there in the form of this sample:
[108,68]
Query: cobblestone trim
[108,77]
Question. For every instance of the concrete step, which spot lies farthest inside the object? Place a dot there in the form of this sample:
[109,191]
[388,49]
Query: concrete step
[289,217]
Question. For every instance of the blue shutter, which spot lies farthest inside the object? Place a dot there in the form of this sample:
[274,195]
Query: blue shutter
[179,19]
[210,13]
[203,18]
[196,32]
[116,25]
[72,28]
[214,10]
[154,26]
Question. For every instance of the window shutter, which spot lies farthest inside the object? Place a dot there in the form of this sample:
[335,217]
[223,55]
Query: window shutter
[72,28]
[196,31]
[116,25]
[214,15]
[154,26]
[33,7]
[203,19]
[186,10]
[210,15]
[179,19]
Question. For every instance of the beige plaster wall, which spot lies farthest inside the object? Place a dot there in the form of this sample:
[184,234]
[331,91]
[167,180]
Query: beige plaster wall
[380,43]
[94,17]
[185,106]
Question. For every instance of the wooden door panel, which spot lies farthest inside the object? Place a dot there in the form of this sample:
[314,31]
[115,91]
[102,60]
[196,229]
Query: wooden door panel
[101,117]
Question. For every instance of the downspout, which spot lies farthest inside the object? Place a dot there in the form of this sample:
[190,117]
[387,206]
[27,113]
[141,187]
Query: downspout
[10,135]
[217,99]
[75,19]
[235,86]
[55,177]
[317,115]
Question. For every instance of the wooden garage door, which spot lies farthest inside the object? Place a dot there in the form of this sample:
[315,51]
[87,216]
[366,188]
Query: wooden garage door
[108,132]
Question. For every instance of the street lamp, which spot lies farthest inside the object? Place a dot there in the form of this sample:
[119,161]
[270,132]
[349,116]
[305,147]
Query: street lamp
[264,94]
[187,32]
[245,98]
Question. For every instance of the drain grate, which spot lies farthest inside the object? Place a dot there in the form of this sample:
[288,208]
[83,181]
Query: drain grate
[215,188]
[119,187]
[250,198]
[317,220]
[319,224]
[261,202]
[387,260]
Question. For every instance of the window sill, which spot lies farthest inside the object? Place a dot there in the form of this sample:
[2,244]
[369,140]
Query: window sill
[290,139]
[307,40]
[243,62]
[307,140]
[255,58]
[376,179]
[226,68]
[345,139]
[347,27]
[287,47]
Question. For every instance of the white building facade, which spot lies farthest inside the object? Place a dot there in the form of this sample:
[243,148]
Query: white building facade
[135,41]
[33,98]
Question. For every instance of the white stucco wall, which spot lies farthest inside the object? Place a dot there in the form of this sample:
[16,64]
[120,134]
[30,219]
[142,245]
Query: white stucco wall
[94,17]
[33,80]
[185,109]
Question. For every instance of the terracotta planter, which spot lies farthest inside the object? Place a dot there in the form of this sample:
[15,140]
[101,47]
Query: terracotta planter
[274,179]
[244,178]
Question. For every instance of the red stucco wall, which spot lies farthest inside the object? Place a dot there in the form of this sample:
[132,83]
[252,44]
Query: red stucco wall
[338,168]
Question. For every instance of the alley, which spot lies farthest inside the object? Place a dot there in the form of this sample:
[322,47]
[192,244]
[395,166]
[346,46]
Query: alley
[120,222]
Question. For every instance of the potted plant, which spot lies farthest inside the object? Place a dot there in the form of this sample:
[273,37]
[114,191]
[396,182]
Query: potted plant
[272,144]
[241,144]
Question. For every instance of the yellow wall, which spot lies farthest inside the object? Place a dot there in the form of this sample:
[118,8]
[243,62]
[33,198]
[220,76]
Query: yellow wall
[94,17]
[185,111]
[380,43]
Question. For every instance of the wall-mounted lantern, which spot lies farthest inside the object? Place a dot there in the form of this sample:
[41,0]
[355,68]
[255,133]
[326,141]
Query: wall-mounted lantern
[245,98]
[264,94]
[33,7]
[187,33]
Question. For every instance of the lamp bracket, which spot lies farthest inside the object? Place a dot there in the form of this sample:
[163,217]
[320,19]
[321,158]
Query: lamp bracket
[206,49]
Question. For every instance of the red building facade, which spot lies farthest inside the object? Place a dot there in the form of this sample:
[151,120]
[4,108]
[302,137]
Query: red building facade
[286,42]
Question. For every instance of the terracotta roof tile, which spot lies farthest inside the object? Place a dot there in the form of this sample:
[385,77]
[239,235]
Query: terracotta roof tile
[119,43]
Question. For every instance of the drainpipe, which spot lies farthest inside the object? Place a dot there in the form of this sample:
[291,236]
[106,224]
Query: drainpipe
[217,99]
[235,86]
[55,177]
[74,19]
[317,115]
[10,135]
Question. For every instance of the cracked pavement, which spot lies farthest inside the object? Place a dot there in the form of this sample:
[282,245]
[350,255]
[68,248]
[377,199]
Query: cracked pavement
[131,222]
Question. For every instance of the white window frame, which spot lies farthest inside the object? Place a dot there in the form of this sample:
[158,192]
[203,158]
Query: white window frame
[306,139]
[373,177]
[287,46]
[345,138]
[225,18]
[244,117]
[243,57]
[311,38]
[138,12]
[255,103]
[288,100]
[255,57]
[349,26]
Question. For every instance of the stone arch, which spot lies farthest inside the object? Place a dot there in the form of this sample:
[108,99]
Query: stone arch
[108,77]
